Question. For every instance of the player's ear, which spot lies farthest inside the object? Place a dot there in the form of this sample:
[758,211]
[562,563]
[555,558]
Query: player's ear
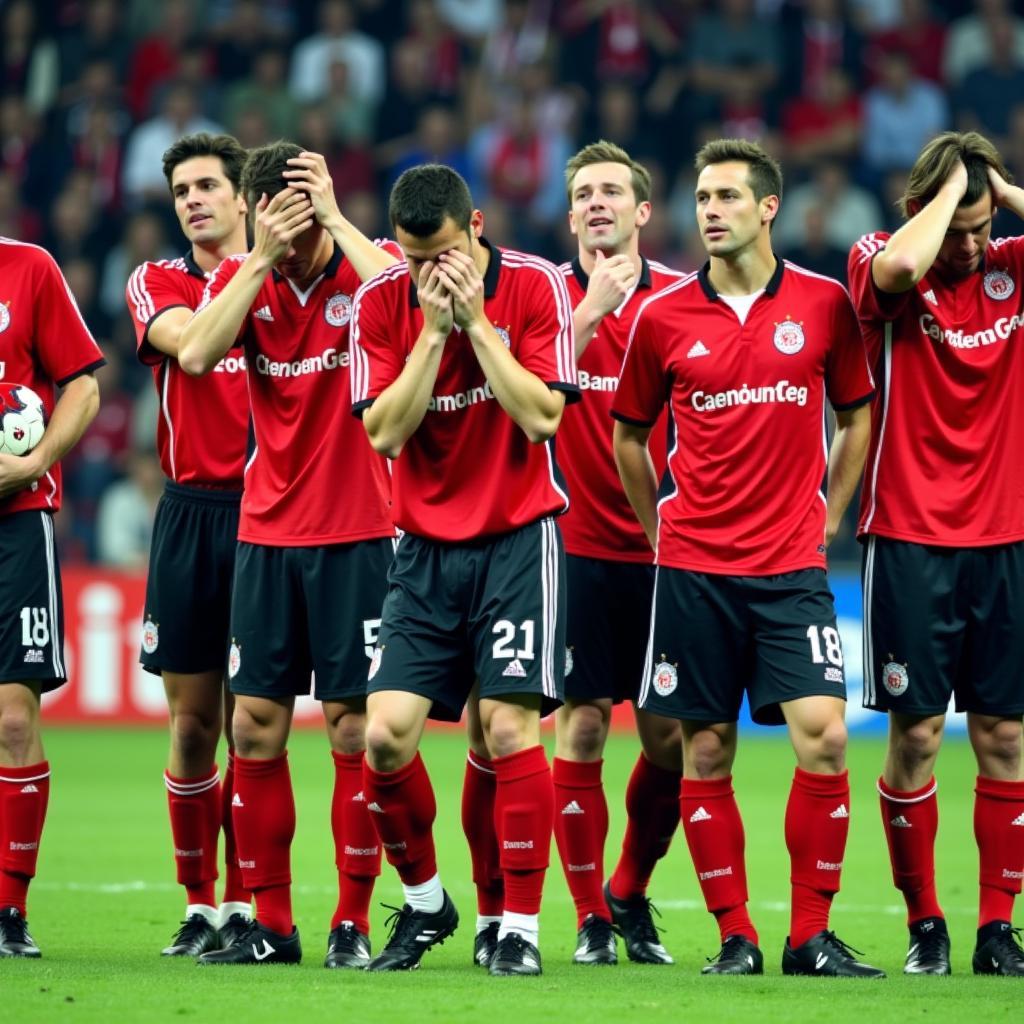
[643,213]
[476,223]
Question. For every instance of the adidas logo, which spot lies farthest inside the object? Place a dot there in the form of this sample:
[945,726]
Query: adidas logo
[31,788]
[375,807]
[572,807]
[930,297]
[700,815]
[900,822]
[515,668]
[1019,820]
[359,798]
[699,349]
[263,313]
[236,801]
[840,812]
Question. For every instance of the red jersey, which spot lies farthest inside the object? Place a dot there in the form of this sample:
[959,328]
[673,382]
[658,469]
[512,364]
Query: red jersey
[313,478]
[601,522]
[203,427]
[43,341]
[944,463]
[747,405]
[468,470]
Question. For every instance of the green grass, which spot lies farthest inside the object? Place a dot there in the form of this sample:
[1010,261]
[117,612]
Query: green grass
[105,903]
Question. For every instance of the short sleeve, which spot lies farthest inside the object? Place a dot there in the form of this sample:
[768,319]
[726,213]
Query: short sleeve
[643,382]
[375,360]
[547,345]
[65,346]
[869,302]
[151,291]
[848,380]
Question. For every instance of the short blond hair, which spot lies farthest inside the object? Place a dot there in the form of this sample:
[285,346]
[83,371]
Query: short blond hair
[604,152]
[935,164]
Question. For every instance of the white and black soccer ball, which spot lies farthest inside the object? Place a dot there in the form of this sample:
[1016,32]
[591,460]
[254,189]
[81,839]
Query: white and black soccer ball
[22,419]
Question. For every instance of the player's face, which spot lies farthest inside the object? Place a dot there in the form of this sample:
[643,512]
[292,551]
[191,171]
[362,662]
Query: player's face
[448,237]
[605,214]
[207,205]
[300,262]
[729,217]
[966,239]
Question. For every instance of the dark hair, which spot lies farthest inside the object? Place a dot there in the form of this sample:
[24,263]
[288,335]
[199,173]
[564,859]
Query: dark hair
[604,152]
[264,169]
[764,174]
[425,196]
[226,148]
[933,167]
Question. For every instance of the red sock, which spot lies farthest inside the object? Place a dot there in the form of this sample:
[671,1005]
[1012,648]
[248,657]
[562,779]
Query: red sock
[402,808]
[234,891]
[264,812]
[817,824]
[356,846]
[478,789]
[194,806]
[652,816]
[581,828]
[524,811]
[24,794]
[714,834]
[998,817]
[911,821]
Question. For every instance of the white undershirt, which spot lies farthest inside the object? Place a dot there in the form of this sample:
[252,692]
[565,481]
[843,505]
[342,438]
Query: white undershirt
[740,304]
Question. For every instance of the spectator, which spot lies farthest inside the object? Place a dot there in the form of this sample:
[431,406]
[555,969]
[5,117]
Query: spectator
[969,42]
[349,165]
[124,517]
[265,87]
[814,251]
[824,124]
[157,57]
[442,51]
[244,30]
[28,58]
[819,41]
[918,34]
[988,93]
[100,36]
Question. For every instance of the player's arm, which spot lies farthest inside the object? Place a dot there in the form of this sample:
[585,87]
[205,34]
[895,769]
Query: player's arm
[535,407]
[78,404]
[212,330]
[636,470]
[845,463]
[912,250]
[309,174]
[164,332]
[1004,195]
[612,280]
[398,410]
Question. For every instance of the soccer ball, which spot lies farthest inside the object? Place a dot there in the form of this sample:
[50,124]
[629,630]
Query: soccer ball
[22,419]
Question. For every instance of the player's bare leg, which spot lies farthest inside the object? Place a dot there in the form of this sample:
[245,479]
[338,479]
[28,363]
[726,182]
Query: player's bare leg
[652,816]
[356,846]
[998,817]
[581,821]
[817,826]
[401,801]
[264,816]
[524,809]
[24,793]
[195,803]
[235,909]
[478,790]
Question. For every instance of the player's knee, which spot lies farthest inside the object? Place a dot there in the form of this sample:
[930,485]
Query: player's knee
[588,728]
[385,746]
[348,733]
[18,726]
[507,735]
[916,742]
[1000,746]
[831,745]
[663,746]
[195,739]
[707,757]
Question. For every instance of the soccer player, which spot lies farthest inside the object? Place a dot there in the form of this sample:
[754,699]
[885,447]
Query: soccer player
[744,353]
[201,437]
[941,308]
[43,342]
[610,573]
[315,537]
[462,363]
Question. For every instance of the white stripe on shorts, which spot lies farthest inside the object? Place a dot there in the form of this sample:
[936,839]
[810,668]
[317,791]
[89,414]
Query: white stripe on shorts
[870,682]
[645,682]
[51,586]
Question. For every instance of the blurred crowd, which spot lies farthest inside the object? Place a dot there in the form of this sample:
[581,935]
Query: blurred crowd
[845,92]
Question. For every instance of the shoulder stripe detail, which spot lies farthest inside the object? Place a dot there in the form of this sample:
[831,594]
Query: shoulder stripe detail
[359,362]
[670,271]
[797,269]
[139,298]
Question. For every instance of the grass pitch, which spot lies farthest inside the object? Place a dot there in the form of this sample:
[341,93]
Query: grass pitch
[105,903]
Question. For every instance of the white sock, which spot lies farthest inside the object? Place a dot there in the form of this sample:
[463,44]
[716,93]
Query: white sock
[210,913]
[482,921]
[428,896]
[526,925]
[229,908]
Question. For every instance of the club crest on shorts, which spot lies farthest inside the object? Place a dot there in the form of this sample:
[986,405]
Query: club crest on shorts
[895,678]
[999,285]
[338,309]
[150,636]
[234,660]
[5,319]
[789,336]
[665,679]
[378,653]
[568,660]
[502,332]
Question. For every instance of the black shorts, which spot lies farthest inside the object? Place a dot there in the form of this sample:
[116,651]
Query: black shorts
[188,589]
[492,610]
[712,637]
[943,621]
[306,610]
[609,615]
[31,602]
